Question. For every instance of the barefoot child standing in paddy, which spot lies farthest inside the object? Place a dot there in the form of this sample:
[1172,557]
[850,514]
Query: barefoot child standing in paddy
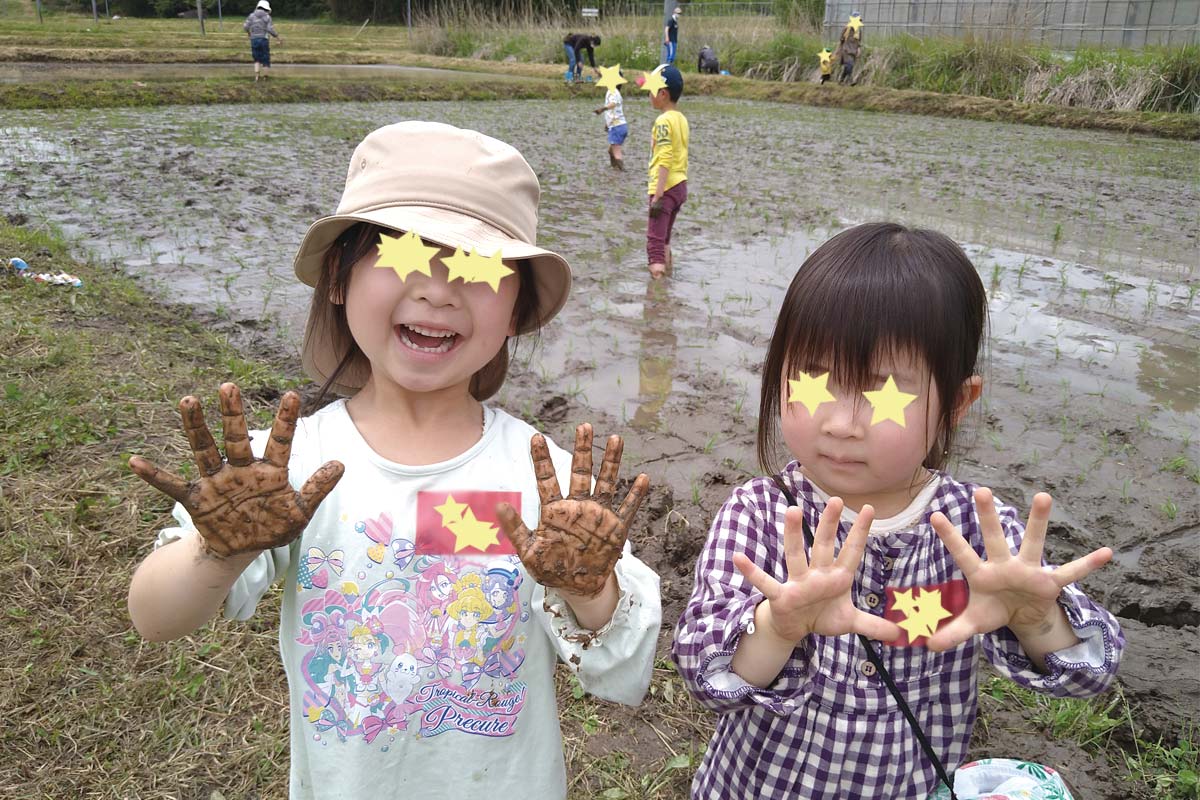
[668,166]
[421,619]
[867,391]
[616,128]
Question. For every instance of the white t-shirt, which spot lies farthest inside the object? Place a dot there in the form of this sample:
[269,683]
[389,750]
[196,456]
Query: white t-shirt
[419,653]
[616,115]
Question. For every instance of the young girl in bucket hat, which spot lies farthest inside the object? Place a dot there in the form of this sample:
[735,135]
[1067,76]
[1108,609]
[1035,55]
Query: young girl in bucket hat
[421,619]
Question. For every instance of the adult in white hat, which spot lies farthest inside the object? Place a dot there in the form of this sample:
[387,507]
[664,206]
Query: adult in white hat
[259,26]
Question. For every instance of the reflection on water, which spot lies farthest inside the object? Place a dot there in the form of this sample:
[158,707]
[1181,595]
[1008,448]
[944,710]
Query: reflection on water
[656,356]
[1171,375]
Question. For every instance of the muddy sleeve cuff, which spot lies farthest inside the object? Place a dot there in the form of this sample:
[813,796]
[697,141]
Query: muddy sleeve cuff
[615,662]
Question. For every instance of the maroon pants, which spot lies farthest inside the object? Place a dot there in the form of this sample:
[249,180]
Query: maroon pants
[658,229]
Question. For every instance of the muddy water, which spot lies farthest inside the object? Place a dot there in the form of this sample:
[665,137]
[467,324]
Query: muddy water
[1087,243]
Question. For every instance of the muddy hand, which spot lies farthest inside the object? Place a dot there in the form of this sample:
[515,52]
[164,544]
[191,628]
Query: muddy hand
[242,504]
[579,538]
[1017,592]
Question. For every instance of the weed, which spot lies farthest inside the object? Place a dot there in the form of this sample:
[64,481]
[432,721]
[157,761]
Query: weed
[1169,509]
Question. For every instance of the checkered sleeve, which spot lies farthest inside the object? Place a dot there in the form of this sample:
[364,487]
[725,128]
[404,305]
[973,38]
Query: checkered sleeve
[722,603]
[1082,670]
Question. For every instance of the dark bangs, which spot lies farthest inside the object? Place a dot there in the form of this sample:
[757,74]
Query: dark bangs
[877,290]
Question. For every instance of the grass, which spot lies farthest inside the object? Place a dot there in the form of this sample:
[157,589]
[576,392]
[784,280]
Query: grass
[1168,771]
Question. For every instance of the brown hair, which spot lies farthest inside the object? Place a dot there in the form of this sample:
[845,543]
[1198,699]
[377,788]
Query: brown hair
[347,250]
[878,290]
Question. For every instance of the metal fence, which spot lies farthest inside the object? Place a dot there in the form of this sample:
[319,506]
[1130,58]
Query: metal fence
[1064,24]
[643,8]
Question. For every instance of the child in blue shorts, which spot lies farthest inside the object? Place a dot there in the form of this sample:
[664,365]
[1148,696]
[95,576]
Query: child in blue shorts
[615,126]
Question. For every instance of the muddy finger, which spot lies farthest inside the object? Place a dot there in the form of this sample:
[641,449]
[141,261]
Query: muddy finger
[319,485]
[237,440]
[581,464]
[606,483]
[279,446]
[166,482]
[515,530]
[543,470]
[208,458]
[633,500]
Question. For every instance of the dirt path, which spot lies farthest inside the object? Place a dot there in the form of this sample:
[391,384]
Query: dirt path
[1087,242]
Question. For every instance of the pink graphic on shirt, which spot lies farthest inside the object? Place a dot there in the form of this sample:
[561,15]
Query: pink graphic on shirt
[432,647]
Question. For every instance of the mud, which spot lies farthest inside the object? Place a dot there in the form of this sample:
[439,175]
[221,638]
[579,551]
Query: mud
[1087,243]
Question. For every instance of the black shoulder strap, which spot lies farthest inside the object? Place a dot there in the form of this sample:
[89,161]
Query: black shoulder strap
[874,658]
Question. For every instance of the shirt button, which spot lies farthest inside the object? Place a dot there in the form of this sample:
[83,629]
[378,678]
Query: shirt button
[867,668]
[872,600]
[888,563]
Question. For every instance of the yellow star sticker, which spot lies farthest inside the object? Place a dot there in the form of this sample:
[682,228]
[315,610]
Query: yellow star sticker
[889,403]
[451,510]
[459,265]
[489,270]
[406,254]
[471,532]
[921,614]
[654,81]
[476,268]
[825,57]
[810,391]
[610,77]
[855,24]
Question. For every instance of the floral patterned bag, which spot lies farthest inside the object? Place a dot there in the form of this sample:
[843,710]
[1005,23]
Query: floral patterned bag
[1005,779]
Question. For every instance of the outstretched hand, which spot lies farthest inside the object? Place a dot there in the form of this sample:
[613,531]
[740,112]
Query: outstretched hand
[579,538]
[815,597]
[1010,591]
[242,504]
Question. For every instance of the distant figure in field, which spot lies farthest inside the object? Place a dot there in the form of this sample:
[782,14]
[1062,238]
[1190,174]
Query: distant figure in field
[259,26]
[708,62]
[671,36]
[825,58]
[575,44]
[849,46]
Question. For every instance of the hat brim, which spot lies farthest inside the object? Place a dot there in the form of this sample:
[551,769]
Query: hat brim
[448,228]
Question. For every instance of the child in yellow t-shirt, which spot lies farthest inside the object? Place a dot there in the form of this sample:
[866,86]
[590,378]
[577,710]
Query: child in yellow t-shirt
[668,170]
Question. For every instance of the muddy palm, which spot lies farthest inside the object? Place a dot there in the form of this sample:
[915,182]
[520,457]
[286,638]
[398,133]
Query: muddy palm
[242,504]
[579,538]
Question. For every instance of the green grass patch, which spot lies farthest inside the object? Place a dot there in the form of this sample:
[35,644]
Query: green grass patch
[1168,770]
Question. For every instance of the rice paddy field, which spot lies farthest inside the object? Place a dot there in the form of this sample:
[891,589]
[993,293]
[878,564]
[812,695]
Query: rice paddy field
[1087,243]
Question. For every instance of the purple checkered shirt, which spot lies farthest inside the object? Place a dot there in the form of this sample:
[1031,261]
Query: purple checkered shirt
[828,727]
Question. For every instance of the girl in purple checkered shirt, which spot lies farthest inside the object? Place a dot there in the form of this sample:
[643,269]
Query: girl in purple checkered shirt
[871,367]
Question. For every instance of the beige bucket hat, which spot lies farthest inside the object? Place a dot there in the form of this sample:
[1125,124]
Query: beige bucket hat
[453,187]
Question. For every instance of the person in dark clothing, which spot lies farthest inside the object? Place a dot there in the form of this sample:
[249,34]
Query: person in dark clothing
[707,62]
[574,44]
[849,47]
[671,36]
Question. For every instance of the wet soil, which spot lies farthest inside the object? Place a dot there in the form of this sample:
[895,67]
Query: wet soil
[1087,243]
